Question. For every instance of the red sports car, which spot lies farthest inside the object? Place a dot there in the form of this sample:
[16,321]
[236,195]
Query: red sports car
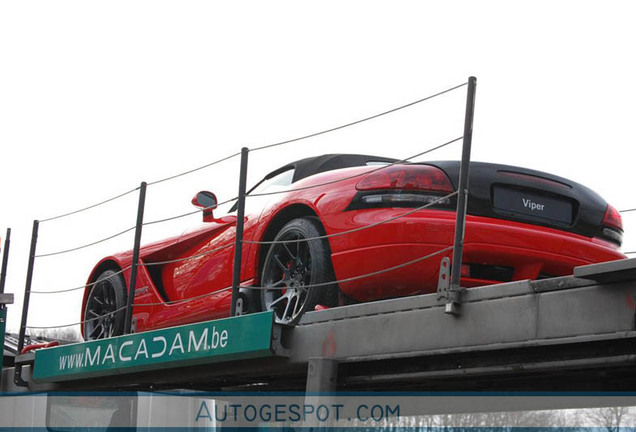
[521,224]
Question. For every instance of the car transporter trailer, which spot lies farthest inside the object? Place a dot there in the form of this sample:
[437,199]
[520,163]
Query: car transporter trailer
[573,333]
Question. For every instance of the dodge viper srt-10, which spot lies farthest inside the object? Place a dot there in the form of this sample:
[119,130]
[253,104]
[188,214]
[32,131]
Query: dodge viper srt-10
[520,224]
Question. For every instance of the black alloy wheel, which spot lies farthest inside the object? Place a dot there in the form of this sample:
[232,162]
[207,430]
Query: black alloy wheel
[104,314]
[292,267]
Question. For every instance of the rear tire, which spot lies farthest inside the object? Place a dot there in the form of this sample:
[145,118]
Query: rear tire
[104,316]
[290,267]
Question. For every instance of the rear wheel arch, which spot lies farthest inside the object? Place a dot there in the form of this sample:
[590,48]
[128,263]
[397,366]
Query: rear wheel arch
[281,218]
[103,266]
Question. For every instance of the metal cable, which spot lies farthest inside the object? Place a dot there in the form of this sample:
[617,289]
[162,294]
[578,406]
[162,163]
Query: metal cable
[83,286]
[399,266]
[187,258]
[386,270]
[357,121]
[141,264]
[629,253]
[357,175]
[250,242]
[187,214]
[78,323]
[86,245]
[195,169]
[254,242]
[627,210]
[306,286]
[183,300]
[91,206]
[355,229]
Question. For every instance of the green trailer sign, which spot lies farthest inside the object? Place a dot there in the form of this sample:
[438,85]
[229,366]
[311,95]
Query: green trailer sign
[241,337]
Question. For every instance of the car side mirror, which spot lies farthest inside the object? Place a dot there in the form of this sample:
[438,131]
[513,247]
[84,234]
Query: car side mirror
[206,201]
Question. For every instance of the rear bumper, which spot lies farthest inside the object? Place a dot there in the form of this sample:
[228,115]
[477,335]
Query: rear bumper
[528,251]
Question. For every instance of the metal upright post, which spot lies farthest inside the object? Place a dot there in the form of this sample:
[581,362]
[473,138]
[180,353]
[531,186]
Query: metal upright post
[240,216]
[17,378]
[3,300]
[462,200]
[135,258]
[5,260]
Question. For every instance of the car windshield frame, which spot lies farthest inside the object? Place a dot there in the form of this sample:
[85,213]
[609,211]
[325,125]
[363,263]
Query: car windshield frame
[271,177]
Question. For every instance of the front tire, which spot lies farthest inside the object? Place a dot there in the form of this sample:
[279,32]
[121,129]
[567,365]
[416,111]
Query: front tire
[104,316]
[290,267]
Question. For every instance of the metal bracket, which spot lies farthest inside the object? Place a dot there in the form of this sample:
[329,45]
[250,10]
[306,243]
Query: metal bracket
[17,377]
[6,299]
[277,342]
[452,308]
[444,290]
[241,305]
[443,281]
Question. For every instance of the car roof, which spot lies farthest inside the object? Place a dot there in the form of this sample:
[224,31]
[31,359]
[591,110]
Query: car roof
[317,164]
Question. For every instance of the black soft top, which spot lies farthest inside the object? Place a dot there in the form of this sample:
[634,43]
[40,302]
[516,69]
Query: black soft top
[317,164]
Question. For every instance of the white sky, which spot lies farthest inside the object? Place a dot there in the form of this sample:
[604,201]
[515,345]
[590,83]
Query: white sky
[97,96]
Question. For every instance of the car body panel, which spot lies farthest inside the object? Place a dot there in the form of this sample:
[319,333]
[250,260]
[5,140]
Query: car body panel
[529,251]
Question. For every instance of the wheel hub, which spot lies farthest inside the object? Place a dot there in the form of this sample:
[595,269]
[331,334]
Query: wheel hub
[296,279]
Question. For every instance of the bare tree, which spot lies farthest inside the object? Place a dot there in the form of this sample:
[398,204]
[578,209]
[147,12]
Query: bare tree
[611,418]
[492,421]
[67,334]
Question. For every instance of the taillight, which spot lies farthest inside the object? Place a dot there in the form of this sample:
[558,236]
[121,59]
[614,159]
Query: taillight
[612,226]
[404,186]
[613,218]
[407,177]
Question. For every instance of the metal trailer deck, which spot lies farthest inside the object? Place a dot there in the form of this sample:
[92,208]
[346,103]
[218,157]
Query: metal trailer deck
[573,333]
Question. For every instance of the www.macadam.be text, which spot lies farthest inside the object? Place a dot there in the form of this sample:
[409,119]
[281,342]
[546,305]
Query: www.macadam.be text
[157,347]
